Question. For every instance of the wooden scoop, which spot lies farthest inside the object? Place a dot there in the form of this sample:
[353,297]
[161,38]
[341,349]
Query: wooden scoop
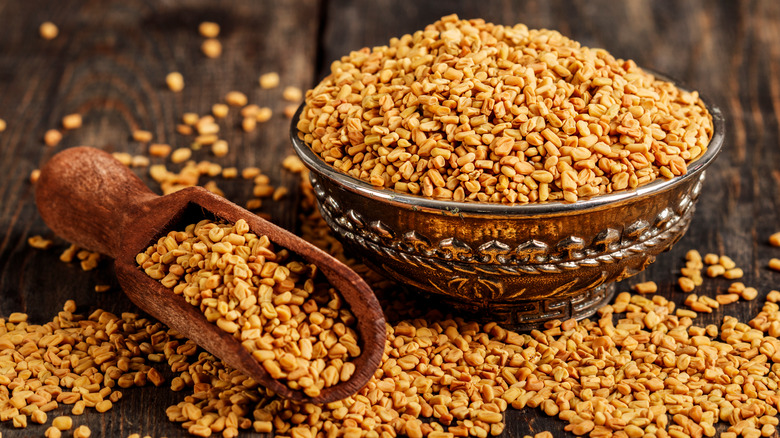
[91,199]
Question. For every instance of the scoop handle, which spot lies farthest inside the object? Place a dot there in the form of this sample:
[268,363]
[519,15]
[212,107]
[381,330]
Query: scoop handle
[89,198]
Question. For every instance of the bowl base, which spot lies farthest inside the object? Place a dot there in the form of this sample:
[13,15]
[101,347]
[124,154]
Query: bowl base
[533,314]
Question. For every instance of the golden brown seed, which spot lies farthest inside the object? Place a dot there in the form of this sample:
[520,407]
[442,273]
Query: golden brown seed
[34,175]
[72,121]
[289,111]
[39,242]
[3,125]
[269,80]
[102,287]
[175,81]
[62,422]
[236,98]
[52,432]
[52,137]
[190,118]
[82,432]
[647,287]
[249,124]
[211,47]
[711,259]
[774,264]
[774,239]
[142,136]
[292,94]
[715,271]
[727,298]
[263,114]
[733,274]
[220,110]
[208,29]
[219,148]
[686,284]
[48,30]
[159,150]
[749,293]
[181,155]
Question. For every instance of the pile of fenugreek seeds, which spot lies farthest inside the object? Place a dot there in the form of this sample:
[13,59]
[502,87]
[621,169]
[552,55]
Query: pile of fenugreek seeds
[299,329]
[468,110]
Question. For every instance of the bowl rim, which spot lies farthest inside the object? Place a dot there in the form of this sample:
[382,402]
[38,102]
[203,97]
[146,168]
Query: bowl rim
[417,202]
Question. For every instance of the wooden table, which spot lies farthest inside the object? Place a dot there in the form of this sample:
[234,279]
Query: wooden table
[110,60]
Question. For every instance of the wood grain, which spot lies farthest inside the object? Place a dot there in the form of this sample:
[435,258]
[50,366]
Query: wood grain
[110,60]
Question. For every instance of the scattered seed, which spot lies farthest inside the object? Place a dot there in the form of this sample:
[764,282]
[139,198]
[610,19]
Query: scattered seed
[39,242]
[82,432]
[52,137]
[269,80]
[208,29]
[774,239]
[72,121]
[3,125]
[34,175]
[219,148]
[648,287]
[220,110]
[48,30]
[159,150]
[102,287]
[774,264]
[236,98]
[181,155]
[212,48]
[175,81]
[142,136]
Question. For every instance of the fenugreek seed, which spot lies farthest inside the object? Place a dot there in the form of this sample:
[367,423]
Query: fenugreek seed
[726,262]
[715,270]
[3,125]
[211,47]
[52,137]
[48,30]
[774,239]
[248,124]
[39,242]
[686,284]
[647,287]
[263,114]
[289,110]
[52,432]
[219,110]
[749,293]
[269,80]
[208,29]
[35,175]
[72,121]
[142,136]
[175,81]
[711,259]
[102,287]
[733,274]
[774,264]
[220,148]
[727,298]
[103,406]
[82,432]
[62,423]
[292,94]
[181,155]
[236,98]
[159,150]
[190,118]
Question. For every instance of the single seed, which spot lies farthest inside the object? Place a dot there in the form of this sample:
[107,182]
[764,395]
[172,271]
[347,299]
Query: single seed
[181,155]
[220,110]
[208,29]
[72,121]
[142,136]
[175,81]
[292,94]
[647,287]
[159,150]
[774,239]
[48,30]
[269,80]
[774,264]
[52,137]
[211,47]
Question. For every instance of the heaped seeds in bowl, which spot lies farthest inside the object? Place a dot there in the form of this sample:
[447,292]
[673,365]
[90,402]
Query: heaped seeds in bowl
[469,110]
[297,327]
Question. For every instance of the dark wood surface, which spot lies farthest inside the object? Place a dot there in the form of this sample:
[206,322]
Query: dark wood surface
[110,60]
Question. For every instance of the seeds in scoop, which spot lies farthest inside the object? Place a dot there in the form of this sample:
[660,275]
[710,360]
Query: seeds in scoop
[175,81]
[511,142]
[257,294]
[236,98]
[208,29]
[211,47]
[52,137]
[48,30]
[269,80]
[72,121]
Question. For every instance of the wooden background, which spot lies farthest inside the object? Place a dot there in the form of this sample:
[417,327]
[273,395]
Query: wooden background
[110,60]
